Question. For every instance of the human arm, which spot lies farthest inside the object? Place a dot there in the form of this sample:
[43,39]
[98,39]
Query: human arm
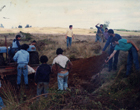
[15,57]
[66,34]
[36,75]
[128,41]
[28,57]
[111,56]
[107,44]
[18,44]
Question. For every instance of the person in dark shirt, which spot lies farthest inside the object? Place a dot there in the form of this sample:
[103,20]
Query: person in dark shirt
[42,76]
[108,42]
[100,32]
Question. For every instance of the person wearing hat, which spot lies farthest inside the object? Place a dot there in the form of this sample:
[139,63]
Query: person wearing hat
[108,42]
[99,33]
[61,66]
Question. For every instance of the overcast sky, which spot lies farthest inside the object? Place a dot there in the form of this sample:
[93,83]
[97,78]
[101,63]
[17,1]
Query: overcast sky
[124,14]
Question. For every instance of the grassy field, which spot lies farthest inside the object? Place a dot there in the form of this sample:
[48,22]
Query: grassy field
[58,30]
[115,91]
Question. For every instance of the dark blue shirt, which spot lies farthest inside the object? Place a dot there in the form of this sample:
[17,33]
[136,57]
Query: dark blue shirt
[109,41]
[43,73]
[99,28]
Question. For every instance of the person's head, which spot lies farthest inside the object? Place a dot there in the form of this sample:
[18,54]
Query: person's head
[43,59]
[106,29]
[33,42]
[70,26]
[18,37]
[111,32]
[114,41]
[24,46]
[59,51]
[101,25]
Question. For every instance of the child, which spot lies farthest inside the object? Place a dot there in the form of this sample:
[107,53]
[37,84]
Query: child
[42,76]
[22,58]
[61,65]
[126,45]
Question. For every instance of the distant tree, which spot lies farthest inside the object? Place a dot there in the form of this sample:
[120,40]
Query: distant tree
[30,26]
[106,24]
[1,26]
[91,27]
[19,26]
[27,26]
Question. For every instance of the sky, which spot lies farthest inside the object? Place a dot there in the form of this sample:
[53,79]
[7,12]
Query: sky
[122,14]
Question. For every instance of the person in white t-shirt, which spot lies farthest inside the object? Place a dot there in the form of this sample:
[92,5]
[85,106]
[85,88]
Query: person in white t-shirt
[69,36]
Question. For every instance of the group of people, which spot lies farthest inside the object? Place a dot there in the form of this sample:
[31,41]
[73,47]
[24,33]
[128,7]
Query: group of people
[117,43]
[61,64]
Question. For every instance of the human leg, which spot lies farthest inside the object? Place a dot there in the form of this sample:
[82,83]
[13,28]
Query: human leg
[110,61]
[70,41]
[116,60]
[129,62]
[46,88]
[96,39]
[60,79]
[40,87]
[67,41]
[25,73]
[19,72]
[65,83]
[135,58]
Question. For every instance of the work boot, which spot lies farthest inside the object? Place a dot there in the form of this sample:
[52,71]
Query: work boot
[27,86]
[18,86]
[109,70]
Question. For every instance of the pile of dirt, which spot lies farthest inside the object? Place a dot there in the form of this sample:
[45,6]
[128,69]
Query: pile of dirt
[86,68]
[82,72]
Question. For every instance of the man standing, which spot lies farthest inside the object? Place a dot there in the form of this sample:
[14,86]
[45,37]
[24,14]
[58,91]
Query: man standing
[111,35]
[61,66]
[69,36]
[22,59]
[100,32]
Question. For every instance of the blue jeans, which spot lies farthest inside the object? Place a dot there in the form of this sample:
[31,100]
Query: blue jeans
[98,38]
[69,41]
[22,69]
[42,87]
[132,58]
[12,52]
[62,81]
[115,59]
